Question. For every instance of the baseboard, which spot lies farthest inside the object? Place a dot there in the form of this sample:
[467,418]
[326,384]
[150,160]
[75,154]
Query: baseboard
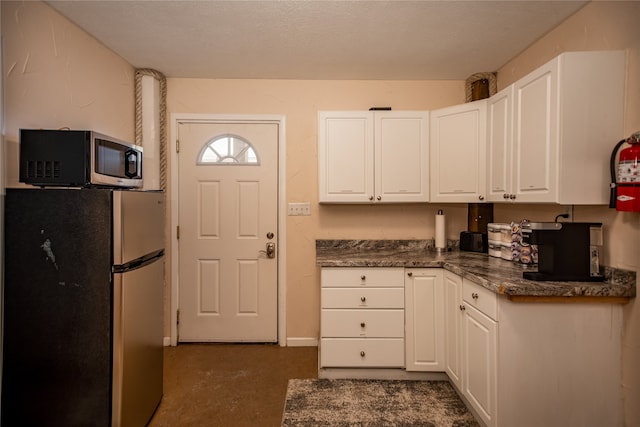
[290,342]
[380,374]
[302,342]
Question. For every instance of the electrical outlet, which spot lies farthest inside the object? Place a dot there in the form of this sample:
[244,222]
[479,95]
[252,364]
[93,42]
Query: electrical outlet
[299,209]
[568,210]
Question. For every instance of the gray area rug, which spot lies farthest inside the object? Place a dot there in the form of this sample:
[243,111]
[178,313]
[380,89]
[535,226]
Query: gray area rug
[404,403]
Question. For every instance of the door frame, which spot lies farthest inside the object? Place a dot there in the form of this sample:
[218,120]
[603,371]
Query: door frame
[282,218]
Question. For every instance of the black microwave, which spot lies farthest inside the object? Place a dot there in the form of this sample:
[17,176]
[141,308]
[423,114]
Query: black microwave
[78,158]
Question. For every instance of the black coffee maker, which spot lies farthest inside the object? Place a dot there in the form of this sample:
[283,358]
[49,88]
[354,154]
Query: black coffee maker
[566,250]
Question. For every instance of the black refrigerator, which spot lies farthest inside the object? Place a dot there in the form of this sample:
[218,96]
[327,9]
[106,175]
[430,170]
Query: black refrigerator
[83,307]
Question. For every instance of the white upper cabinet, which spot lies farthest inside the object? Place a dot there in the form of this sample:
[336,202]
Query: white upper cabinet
[535,141]
[458,153]
[373,157]
[567,116]
[345,156]
[499,137]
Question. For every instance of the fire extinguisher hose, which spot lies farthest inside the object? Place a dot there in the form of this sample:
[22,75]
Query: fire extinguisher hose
[614,190]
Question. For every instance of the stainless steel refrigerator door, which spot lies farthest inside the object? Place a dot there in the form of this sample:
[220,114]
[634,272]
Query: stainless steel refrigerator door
[138,230]
[138,224]
[137,352]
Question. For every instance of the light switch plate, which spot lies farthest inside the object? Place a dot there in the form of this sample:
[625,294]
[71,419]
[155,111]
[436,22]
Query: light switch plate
[299,209]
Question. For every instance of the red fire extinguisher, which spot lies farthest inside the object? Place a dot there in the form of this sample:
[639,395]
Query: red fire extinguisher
[625,185]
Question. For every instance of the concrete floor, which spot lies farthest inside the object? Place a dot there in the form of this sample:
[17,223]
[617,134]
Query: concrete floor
[229,384]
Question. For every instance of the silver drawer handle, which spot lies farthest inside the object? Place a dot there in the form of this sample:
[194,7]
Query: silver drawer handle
[362,325]
[474,295]
[363,299]
[362,354]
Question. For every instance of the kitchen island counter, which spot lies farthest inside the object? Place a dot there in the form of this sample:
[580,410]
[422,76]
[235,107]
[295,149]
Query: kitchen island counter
[496,274]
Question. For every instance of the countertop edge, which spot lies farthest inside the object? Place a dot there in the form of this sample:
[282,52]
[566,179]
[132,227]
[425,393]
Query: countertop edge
[515,288]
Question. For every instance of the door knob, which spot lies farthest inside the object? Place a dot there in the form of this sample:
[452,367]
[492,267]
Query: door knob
[271,250]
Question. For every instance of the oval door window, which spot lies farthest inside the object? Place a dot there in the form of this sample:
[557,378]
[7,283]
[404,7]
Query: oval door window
[228,150]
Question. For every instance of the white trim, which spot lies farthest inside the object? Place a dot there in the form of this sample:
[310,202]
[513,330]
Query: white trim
[302,342]
[282,211]
[380,374]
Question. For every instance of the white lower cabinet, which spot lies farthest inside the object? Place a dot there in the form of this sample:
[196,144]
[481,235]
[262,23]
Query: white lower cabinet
[362,318]
[479,361]
[424,319]
[362,352]
[471,334]
[515,363]
[532,364]
[453,327]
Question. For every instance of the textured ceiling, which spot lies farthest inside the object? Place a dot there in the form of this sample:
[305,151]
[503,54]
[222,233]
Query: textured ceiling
[286,39]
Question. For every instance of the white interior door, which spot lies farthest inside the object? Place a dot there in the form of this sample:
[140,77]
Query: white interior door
[228,205]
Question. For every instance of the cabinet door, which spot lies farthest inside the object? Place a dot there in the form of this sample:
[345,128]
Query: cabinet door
[499,140]
[453,327]
[345,156]
[535,135]
[458,153]
[401,156]
[479,370]
[424,320]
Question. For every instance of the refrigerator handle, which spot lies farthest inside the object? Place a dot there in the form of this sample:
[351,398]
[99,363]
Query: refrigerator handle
[139,262]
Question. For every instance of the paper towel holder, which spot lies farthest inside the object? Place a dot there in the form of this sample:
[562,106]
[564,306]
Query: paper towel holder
[440,233]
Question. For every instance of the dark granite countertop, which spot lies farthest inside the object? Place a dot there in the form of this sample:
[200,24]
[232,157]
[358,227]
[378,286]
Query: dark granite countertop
[498,275]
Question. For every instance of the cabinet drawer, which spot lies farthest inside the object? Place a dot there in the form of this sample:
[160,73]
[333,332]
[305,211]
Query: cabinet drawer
[362,298]
[361,277]
[362,353]
[480,298]
[362,323]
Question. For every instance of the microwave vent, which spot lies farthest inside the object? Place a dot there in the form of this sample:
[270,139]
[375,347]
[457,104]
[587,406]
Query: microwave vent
[43,169]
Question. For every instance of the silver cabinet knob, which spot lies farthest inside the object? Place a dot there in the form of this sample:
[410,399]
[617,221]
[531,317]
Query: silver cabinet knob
[363,299]
[363,277]
[362,354]
[370,197]
[505,196]
[379,197]
[474,295]
[462,307]
[512,196]
[362,325]
[409,274]
[480,197]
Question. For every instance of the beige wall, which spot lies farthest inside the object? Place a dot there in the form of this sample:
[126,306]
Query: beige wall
[299,102]
[56,75]
[599,26]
